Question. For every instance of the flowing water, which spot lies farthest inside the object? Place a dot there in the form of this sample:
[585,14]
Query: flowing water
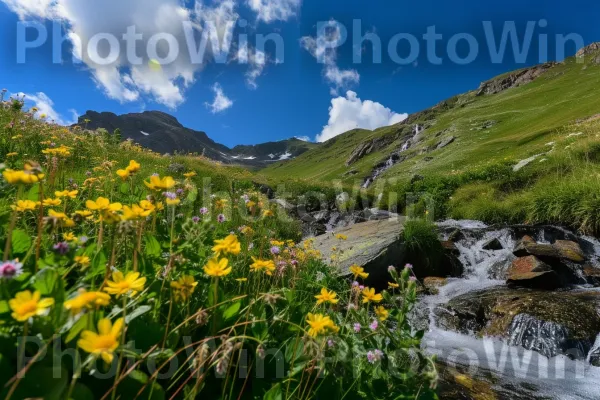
[394,158]
[511,371]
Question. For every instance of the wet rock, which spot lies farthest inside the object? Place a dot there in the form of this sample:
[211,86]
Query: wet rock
[499,270]
[531,272]
[493,244]
[569,250]
[591,275]
[432,284]
[456,236]
[450,247]
[535,249]
[550,323]
[374,245]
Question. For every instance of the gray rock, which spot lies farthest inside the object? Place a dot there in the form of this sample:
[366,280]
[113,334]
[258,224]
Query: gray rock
[493,244]
[373,245]
[445,142]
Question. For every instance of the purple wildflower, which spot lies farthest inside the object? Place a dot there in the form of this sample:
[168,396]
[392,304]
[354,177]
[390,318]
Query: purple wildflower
[195,219]
[357,327]
[221,218]
[204,211]
[391,269]
[61,248]
[170,195]
[275,250]
[413,278]
[374,325]
[330,343]
[10,269]
[408,266]
[374,356]
[179,192]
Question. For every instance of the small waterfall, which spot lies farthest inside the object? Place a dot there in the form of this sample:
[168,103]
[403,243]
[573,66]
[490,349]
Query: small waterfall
[394,158]
[529,363]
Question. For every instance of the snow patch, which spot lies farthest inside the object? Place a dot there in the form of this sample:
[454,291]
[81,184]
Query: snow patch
[285,156]
[144,133]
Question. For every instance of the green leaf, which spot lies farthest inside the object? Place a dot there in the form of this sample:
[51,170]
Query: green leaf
[124,188]
[152,246]
[45,281]
[21,241]
[4,307]
[34,193]
[232,310]
[274,393]
[136,313]
[76,328]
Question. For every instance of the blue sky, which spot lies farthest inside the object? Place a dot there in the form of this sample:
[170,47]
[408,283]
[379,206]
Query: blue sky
[296,97]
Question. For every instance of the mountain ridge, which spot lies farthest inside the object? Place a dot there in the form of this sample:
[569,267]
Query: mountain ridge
[163,133]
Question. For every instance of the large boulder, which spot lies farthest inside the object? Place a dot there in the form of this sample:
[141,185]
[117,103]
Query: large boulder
[374,245]
[550,323]
[569,250]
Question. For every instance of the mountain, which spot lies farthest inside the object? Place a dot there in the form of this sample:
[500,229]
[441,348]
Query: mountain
[162,133]
[508,119]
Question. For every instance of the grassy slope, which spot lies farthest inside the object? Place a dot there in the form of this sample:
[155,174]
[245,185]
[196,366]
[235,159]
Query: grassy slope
[473,177]
[527,116]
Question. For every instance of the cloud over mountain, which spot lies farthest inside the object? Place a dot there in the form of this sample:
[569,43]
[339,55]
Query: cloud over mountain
[350,112]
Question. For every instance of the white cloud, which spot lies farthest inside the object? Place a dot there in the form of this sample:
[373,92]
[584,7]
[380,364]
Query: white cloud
[274,10]
[256,60]
[303,138]
[338,79]
[129,78]
[45,107]
[221,101]
[350,112]
[31,8]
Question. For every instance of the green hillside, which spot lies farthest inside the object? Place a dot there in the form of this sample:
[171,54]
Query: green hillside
[492,133]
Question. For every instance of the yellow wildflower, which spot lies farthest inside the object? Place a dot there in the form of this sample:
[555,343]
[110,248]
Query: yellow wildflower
[369,295]
[24,205]
[267,213]
[262,265]
[135,212]
[26,305]
[123,174]
[190,174]
[326,296]
[217,268]
[128,284]
[158,184]
[229,245]
[358,271]
[133,167]
[84,261]
[341,236]
[13,154]
[87,300]
[184,287]
[320,324]
[105,342]
[103,204]
[393,285]
[72,194]
[382,313]
[69,237]
[51,202]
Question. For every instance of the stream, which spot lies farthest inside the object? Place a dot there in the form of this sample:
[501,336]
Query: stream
[526,363]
